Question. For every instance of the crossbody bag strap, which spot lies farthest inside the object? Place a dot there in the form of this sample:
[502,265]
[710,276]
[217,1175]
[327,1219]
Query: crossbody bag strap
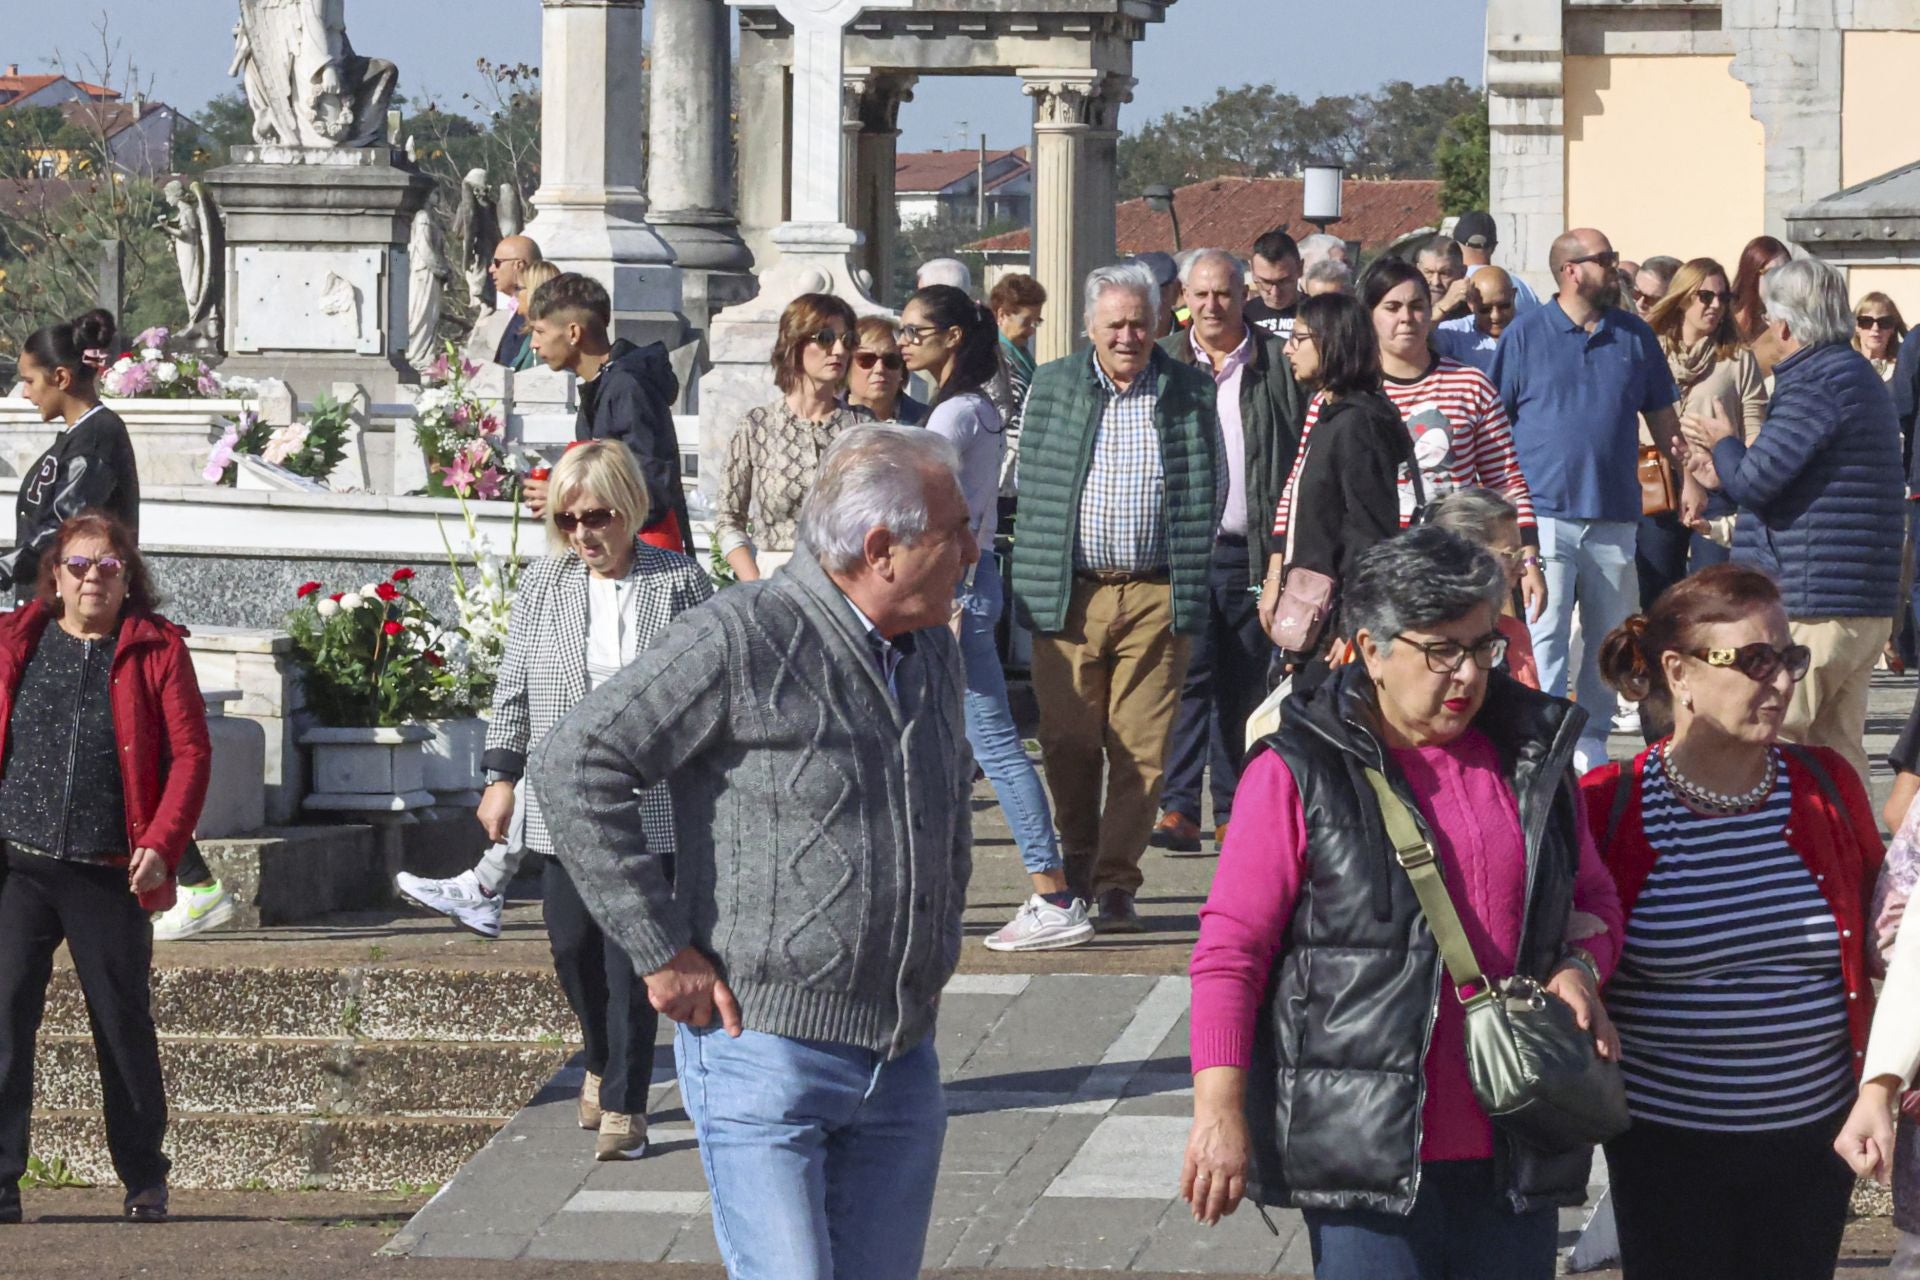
[1422,866]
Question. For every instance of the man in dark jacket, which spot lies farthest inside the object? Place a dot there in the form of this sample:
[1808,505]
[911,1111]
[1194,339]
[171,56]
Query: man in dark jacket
[626,393]
[1259,412]
[1820,497]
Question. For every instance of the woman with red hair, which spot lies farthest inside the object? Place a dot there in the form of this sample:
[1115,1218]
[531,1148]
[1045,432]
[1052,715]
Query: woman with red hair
[1762,254]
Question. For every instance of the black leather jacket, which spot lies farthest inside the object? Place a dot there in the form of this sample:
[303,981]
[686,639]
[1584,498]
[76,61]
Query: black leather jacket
[1335,1091]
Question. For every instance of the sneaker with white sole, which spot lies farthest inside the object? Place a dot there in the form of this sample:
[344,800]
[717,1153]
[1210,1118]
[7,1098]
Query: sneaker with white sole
[461,900]
[195,909]
[1041,926]
[588,1108]
[622,1137]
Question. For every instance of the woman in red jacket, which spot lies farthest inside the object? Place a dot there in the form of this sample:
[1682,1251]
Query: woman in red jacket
[103,769]
[1742,995]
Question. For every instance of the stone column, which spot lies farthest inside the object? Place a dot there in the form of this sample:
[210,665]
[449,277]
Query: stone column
[690,166]
[766,148]
[1064,231]
[874,213]
[1103,168]
[592,215]
[1790,58]
[1527,187]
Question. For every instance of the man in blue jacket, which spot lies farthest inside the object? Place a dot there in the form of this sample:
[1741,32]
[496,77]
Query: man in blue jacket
[1820,495]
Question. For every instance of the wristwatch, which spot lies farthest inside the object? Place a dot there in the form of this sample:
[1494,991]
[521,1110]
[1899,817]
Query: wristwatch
[1531,560]
[1582,957]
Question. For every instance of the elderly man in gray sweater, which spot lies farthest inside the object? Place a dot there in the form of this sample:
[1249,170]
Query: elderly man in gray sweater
[809,730]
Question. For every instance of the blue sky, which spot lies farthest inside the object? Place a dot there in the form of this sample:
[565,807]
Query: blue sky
[1308,47]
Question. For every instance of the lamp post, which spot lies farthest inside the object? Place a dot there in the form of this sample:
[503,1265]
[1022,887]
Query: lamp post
[1159,198]
[1320,192]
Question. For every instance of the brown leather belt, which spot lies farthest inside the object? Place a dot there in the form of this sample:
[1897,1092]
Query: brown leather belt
[1118,577]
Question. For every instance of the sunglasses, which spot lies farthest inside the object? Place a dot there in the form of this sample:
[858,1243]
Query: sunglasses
[828,339]
[1884,324]
[891,361]
[596,519]
[1707,297]
[1609,259]
[79,566]
[1445,657]
[1760,661]
[501,262]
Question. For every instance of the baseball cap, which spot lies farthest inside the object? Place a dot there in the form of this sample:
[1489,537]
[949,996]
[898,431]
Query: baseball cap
[1165,269]
[1476,230]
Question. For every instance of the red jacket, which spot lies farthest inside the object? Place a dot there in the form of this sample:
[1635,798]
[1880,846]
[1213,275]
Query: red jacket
[1841,847]
[158,718]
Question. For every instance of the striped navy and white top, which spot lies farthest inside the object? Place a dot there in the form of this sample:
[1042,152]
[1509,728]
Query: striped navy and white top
[1729,1000]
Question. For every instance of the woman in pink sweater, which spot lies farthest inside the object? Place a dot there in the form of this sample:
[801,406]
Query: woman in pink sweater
[1328,1047]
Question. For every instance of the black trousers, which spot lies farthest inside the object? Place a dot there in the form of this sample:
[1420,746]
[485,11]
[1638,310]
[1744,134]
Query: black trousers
[42,902]
[617,1024]
[1226,680]
[192,872]
[1698,1205]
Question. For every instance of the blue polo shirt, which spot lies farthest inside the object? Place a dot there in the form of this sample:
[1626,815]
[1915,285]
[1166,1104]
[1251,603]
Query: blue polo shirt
[1575,398]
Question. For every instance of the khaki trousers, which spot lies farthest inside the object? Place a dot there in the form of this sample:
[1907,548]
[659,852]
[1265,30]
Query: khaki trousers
[1108,685]
[1829,707]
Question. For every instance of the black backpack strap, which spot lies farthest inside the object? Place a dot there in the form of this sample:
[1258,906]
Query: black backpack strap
[1811,763]
[1623,788]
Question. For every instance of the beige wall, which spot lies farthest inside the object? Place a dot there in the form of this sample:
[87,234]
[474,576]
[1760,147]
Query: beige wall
[1876,104]
[1663,155]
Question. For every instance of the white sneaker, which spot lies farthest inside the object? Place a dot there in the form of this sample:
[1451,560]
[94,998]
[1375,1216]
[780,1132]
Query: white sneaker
[194,910]
[1627,718]
[1041,926]
[460,900]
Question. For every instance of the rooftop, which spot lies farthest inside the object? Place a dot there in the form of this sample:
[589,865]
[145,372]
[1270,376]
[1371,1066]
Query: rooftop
[14,85]
[929,171]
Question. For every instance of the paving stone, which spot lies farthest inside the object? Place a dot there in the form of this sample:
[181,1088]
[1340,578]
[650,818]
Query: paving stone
[1040,1043]
[1088,1234]
[470,1244]
[607,1237]
[674,1204]
[1126,1157]
[1237,1245]
[1055,1140]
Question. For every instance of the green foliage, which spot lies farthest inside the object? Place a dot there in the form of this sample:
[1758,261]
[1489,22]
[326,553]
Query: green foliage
[367,657]
[944,237]
[50,1173]
[1259,131]
[325,442]
[202,142]
[1465,161]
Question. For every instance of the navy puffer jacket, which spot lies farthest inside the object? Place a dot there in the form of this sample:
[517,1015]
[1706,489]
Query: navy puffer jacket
[1820,490]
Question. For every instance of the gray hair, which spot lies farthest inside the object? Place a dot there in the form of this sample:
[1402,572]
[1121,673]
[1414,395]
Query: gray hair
[1474,514]
[1812,298]
[1421,579]
[1236,269]
[1664,265]
[1319,247]
[944,271]
[872,477]
[1134,276]
[1329,271]
[1443,247]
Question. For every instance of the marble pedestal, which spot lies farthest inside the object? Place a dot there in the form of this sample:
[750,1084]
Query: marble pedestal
[316,265]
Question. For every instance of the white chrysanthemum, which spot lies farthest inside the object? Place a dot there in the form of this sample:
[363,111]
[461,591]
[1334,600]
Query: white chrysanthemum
[328,608]
[167,371]
[151,353]
[351,600]
[371,590]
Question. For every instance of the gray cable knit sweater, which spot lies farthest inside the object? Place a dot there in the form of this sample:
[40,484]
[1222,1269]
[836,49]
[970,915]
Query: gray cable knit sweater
[825,838]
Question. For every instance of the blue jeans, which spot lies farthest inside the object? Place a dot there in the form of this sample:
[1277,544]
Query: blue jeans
[1460,1229]
[1589,564]
[821,1157]
[990,730]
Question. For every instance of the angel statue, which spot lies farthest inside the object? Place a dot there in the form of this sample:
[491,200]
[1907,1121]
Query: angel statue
[305,84]
[194,227]
[513,209]
[427,275]
[475,233]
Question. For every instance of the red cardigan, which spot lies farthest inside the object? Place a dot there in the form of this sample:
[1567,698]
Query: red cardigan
[159,720]
[1841,847]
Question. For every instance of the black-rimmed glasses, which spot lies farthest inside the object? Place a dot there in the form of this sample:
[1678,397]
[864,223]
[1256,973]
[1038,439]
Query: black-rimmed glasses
[1446,657]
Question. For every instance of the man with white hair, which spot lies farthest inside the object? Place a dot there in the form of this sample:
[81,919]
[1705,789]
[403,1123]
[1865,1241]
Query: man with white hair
[1322,246]
[949,271]
[1445,271]
[1118,511]
[1327,275]
[1820,496]
[810,732]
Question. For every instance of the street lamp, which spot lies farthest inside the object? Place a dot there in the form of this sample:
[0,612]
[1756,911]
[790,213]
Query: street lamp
[1320,192]
[1159,198]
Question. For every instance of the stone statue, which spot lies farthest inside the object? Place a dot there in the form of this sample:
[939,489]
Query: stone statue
[476,232]
[427,275]
[305,84]
[513,209]
[194,227]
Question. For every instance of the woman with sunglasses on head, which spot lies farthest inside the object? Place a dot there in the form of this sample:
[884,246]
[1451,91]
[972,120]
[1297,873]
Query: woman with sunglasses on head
[103,770]
[1742,996]
[579,615]
[774,454]
[878,379]
[1878,330]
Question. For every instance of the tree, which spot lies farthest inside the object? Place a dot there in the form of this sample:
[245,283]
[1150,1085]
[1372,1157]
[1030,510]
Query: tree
[205,140]
[1465,161]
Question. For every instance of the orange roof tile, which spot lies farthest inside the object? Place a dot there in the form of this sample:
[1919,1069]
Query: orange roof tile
[924,171]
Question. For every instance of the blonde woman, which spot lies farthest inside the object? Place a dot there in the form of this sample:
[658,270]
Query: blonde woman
[532,276]
[1878,330]
[579,615]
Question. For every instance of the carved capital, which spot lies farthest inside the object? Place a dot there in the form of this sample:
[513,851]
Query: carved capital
[1104,110]
[1061,102]
[872,99]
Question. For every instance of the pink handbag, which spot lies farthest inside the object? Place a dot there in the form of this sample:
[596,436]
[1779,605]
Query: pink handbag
[1302,611]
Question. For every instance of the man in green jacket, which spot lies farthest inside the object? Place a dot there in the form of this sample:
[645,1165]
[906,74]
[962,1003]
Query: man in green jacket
[1118,506]
[1260,412]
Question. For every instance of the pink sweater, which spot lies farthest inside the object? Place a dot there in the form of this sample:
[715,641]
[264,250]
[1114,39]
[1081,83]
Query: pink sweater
[1476,822]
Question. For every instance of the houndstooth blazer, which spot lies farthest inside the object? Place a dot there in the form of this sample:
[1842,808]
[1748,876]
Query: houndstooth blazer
[543,671]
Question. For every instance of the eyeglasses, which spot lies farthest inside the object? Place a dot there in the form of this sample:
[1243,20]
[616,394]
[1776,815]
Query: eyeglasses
[828,339]
[1884,324]
[1299,337]
[1707,297]
[1445,657]
[80,566]
[912,335]
[891,361]
[596,519]
[1610,260]
[1760,661]
[501,262]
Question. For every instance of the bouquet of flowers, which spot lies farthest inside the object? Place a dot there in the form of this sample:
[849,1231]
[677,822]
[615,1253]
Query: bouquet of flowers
[367,657]
[483,596]
[152,372]
[462,435]
[312,447]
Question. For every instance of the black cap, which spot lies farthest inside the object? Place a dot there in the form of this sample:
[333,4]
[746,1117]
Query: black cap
[1165,269]
[1476,230]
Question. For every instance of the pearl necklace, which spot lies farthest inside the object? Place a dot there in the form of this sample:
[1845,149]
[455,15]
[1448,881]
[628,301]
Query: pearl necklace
[1714,801]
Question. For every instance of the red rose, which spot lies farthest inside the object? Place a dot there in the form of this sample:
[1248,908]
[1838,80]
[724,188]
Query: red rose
[335,597]
[387,591]
[403,575]
[306,589]
[435,660]
[392,628]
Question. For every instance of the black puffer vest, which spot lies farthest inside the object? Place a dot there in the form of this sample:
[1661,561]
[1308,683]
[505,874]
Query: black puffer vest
[1337,1081]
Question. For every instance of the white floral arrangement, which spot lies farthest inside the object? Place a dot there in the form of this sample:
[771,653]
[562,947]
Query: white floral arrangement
[153,372]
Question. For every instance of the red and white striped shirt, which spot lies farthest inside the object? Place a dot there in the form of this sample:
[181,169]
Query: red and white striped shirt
[1461,437]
